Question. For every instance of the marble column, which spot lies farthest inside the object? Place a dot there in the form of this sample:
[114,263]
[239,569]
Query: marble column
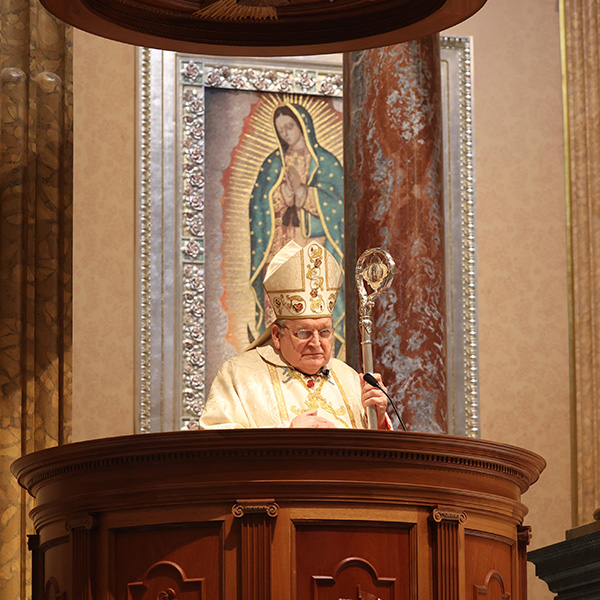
[35,258]
[394,200]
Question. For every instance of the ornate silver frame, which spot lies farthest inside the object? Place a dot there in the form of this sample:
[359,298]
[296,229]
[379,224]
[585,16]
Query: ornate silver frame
[461,255]
[172,276]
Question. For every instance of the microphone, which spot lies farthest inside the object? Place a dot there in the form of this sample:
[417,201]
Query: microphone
[370,379]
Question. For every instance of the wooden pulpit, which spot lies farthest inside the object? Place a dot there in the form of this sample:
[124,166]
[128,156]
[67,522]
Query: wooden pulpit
[279,514]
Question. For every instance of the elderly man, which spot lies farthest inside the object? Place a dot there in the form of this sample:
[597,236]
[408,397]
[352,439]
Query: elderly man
[287,377]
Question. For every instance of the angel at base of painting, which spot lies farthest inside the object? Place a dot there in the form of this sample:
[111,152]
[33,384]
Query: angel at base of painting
[298,195]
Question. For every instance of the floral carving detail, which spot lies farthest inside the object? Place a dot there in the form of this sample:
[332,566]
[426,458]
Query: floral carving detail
[197,333]
[193,103]
[197,359]
[281,80]
[197,132]
[195,202]
[213,79]
[195,283]
[190,425]
[261,84]
[331,86]
[197,382]
[238,82]
[196,226]
[197,308]
[284,84]
[193,402]
[326,88]
[192,71]
[305,80]
[192,248]
[197,180]
[196,155]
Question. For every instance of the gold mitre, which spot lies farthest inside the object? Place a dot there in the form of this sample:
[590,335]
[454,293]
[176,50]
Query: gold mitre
[303,283]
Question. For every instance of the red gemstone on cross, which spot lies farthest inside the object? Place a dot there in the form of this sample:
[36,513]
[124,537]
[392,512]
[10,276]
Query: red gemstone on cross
[310,383]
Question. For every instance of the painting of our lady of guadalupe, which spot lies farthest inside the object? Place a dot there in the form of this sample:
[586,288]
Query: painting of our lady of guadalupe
[286,175]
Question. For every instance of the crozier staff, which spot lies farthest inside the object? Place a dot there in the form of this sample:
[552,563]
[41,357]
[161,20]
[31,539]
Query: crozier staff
[287,377]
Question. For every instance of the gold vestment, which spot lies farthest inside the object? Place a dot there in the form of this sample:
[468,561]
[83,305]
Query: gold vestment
[259,389]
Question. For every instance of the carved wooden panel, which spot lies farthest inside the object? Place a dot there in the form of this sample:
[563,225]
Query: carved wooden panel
[53,573]
[489,563]
[178,562]
[354,561]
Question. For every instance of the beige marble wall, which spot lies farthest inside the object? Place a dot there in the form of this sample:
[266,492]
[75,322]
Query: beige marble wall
[521,243]
[104,230]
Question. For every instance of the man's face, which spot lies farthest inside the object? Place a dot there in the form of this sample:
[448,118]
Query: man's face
[307,355]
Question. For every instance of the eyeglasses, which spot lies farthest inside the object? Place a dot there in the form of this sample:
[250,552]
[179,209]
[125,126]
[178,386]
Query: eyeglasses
[307,334]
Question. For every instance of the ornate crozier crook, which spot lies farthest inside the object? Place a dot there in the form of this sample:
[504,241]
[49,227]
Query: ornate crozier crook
[374,268]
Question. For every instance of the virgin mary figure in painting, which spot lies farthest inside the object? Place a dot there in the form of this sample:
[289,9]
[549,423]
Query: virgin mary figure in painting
[298,195]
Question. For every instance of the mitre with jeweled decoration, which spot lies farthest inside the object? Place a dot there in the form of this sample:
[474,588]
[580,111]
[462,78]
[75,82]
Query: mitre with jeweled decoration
[301,283]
